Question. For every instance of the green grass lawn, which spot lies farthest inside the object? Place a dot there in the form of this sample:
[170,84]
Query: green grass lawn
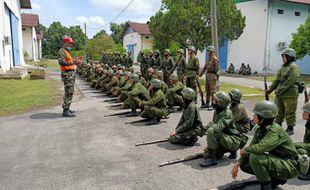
[17,96]
[249,93]
[52,63]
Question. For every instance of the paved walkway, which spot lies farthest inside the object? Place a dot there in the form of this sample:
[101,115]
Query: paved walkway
[42,150]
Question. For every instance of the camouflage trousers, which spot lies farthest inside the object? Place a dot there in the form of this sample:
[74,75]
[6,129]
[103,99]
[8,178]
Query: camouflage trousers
[242,128]
[152,112]
[303,148]
[186,138]
[192,83]
[174,99]
[68,78]
[286,110]
[210,86]
[132,102]
[181,77]
[265,167]
[221,142]
[307,136]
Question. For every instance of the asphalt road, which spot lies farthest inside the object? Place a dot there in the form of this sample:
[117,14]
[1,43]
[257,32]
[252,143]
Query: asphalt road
[42,150]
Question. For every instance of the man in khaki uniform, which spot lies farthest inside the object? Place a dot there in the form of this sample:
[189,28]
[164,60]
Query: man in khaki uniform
[211,69]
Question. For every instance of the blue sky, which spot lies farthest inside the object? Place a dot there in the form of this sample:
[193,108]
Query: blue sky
[96,13]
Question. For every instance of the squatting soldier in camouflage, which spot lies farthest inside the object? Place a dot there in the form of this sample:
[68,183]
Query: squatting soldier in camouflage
[271,156]
[211,68]
[241,118]
[67,67]
[115,80]
[286,90]
[190,125]
[304,148]
[174,93]
[222,135]
[231,69]
[158,60]
[104,82]
[136,95]
[154,108]
[192,70]
[242,69]
[122,92]
[167,65]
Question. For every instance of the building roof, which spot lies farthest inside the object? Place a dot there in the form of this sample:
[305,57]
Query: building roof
[299,1]
[31,20]
[25,4]
[40,35]
[141,28]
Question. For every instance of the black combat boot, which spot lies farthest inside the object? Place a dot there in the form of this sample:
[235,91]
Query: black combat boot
[233,155]
[210,161]
[191,141]
[71,111]
[290,130]
[304,177]
[275,182]
[170,109]
[67,113]
[133,113]
[265,186]
[154,121]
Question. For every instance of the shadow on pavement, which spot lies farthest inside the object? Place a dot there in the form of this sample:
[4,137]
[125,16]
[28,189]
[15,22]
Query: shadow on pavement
[170,146]
[46,115]
[297,182]
[222,162]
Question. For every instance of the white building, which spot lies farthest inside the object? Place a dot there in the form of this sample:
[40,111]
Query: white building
[11,54]
[32,36]
[269,28]
[136,38]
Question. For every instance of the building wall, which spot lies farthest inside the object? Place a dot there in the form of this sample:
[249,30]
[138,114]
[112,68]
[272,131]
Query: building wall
[27,41]
[250,47]
[281,28]
[135,40]
[146,42]
[6,54]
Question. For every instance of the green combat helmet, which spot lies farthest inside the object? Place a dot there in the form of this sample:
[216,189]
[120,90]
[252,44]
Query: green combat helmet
[160,74]
[222,99]
[119,72]
[157,52]
[290,52]
[306,107]
[156,83]
[167,52]
[235,95]
[174,77]
[266,109]
[192,48]
[110,72]
[211,48]
[181,51]
[134,77]
[188,93]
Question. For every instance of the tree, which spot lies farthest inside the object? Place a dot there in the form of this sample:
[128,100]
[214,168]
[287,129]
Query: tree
[77,34]
[117,32]
[195,18]
[95,46]
[301,40]
[100,33]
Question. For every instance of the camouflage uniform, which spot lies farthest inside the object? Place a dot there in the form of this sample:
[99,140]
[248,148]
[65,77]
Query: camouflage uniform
[136,95]
[241,118]
[167,65]
[174,95]
[211,68]
[192,71]
[231,69]
[157,62]
[181,68]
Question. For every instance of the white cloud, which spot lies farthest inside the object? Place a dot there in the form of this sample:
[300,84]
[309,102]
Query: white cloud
[92,20]
[142,7]
[36,6]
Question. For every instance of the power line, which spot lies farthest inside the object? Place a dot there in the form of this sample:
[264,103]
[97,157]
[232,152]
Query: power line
[114,18]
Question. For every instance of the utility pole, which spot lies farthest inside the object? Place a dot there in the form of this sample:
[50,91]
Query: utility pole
[85,33]
[214,26]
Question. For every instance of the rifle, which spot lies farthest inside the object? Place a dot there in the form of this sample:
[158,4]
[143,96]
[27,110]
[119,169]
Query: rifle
[152,142]
[138,121]
[114,106]
[110,100]
[200,92]
[179,160]
[117,114]
[174,67]
[265,85]
[306,95]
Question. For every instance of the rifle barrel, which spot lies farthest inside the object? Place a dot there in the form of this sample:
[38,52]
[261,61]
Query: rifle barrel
[152,142]
[179,160]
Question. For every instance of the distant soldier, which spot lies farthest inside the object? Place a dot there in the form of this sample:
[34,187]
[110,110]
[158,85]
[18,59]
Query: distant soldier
[192,70]
[190,125]
[128,60]
[67,67]
[211,69]
[107,80]
[158,60]
[174,93]
[222,135]
[135,96]
[150,59]
[242,69]
[271,156]
[122,92]
[181,65]
[167,65]
[154,108]
[143,63]
[231,69]
[241,118]
[286,90]
[248,70]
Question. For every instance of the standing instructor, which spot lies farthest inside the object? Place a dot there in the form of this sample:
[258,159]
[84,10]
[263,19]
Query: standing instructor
[67,67]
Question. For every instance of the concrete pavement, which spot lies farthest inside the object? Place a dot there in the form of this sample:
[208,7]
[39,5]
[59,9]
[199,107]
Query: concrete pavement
[42,150]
